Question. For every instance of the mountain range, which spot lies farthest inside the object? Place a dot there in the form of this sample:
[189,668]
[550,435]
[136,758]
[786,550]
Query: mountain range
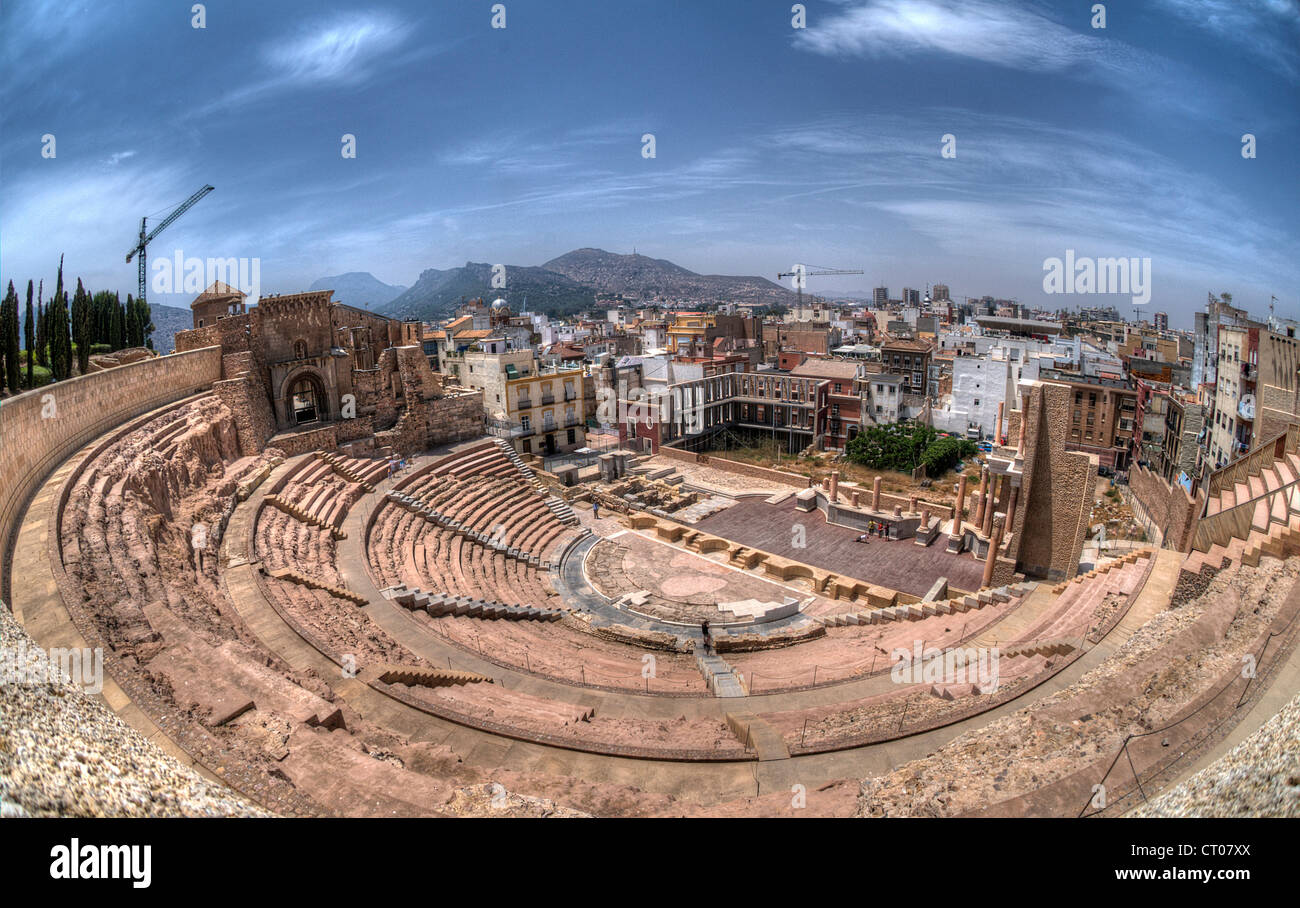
[569,284]
[359,288]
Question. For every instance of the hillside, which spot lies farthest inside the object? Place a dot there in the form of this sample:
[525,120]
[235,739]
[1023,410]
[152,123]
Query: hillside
[438,292]
[167,320]
[359,288]
[648,278]
[569,284]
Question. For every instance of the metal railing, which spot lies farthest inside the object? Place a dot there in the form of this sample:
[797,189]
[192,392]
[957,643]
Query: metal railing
[1241,469]
[1236,522]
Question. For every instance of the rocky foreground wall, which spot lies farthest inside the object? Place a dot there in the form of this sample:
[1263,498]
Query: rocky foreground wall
[41,428]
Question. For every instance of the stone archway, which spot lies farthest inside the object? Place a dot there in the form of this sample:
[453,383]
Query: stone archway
[304,398]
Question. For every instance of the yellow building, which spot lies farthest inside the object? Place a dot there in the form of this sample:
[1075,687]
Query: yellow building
[539,409]
[688,333]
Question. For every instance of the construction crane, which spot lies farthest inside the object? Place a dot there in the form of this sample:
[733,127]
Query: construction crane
[145,239]
[801,272]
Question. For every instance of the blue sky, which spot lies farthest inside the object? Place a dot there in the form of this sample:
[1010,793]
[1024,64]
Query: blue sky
[774,145]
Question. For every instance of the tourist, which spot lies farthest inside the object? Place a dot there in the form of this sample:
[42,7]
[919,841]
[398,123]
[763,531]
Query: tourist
[595,509]
[704,630]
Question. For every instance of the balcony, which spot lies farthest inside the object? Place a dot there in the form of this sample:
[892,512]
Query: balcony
[523,404]
[548,399]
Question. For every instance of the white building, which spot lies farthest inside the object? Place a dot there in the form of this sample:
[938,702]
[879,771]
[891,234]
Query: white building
[979,384]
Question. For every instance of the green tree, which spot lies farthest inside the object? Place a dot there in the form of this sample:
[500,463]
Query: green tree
[4,337]
[42,328]
[81,327]
[58,327]
[116,324]
[29,337]
[13,368]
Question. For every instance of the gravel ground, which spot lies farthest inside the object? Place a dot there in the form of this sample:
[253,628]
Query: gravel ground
[1260,777]
[63,753]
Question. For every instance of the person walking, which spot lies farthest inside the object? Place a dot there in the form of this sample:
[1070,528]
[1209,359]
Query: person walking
[595,509]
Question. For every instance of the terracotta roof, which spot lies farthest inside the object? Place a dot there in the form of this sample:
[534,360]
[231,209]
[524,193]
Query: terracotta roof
[218,290]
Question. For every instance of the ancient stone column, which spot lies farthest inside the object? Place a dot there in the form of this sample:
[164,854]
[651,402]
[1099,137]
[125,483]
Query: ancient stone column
[925,519]
[911,504]
[1011,510]
[992,558]
[856,495]
[988,515]
[1020,446]
[898,510]
[835,486]
[961,503]
[997,431]
[984,488]
[875,494]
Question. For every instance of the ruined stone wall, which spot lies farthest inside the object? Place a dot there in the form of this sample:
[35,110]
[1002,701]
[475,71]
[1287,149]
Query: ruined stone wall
[233,334]
[1168,507]
[254,420]
[733,466]
[41,428]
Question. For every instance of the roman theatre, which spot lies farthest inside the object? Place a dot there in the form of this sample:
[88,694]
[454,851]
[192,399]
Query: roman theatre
[322,589]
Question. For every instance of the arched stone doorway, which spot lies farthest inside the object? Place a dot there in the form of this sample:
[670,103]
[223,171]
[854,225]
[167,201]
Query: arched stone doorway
[305,401]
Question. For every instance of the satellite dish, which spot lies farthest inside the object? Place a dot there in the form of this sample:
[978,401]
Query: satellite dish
[1246,407]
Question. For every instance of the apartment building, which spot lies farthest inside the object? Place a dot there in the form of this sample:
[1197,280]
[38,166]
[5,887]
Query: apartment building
[1103,416]
[911,360]
[539,409]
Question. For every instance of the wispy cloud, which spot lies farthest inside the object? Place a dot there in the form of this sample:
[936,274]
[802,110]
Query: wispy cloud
[1266,29]
[343,50]
[1005,34]
[348,50]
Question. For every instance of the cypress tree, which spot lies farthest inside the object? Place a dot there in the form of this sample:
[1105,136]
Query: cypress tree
[57,327]
[81,327]
[29,332]
[116,324]
[42,329]
[5,371]
[13,369]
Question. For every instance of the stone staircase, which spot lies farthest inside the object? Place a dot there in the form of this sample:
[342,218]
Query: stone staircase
[292,576]
[719,675]
[918,611]
[524,470]
[562,511]
[1252,507]
[420,509]
[339,465]
[299,514]
[1127,558]
[438,605]
[414,676]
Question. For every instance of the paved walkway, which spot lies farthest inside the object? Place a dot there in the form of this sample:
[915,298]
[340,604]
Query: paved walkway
[898,564]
